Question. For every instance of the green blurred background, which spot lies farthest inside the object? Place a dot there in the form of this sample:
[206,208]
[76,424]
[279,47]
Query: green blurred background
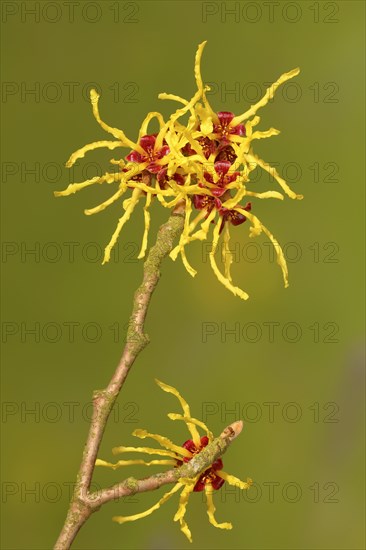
[299,389]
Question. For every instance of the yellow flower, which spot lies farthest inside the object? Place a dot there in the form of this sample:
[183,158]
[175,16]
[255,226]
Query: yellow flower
[211,479]
[205,164]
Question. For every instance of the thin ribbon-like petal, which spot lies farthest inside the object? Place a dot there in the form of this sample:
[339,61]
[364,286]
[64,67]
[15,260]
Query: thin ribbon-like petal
[116,132]
[147,450]
[186,410]
[236,482]
[281,260]
[75,187]
[211,510]
[120,463]
[164,442]
[267,96]
[190,420]
[147,226]
[224,280]
[124,519]
[80,153]
[227,256]
[129,208]
[179,516]
[265,166]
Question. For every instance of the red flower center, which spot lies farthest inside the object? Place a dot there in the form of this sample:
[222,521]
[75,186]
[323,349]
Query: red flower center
[152,155]
[224,128]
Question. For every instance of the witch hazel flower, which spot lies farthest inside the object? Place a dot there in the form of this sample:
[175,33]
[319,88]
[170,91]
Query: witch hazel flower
[210,480]
[204,164]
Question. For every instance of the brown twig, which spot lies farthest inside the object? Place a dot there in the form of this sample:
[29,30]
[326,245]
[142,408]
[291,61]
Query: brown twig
[84,502]
[103,400]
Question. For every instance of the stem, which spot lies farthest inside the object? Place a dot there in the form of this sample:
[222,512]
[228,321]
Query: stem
[82,505]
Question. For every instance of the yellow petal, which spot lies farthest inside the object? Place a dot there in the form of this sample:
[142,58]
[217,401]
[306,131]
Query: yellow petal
[201,234]
[258,227]
[185,235]
[74,187]
[164,442]
[224,280]
[206,126]
[184,238]
[211,510]
[163,95]
[186,410]
[267,96]
[147,226]
[234,480]
[265,166]
[185,529]
[183,501]
[199,81]
[190,420]
[265,134]
[121,463]
[180,112]
[118,134]
[197,65]
[232,202]
[147,450]
[144,126]
[124,519]
[136,193]
[265,195]
[227,256]
[121,191]
[187,265]
[90,147]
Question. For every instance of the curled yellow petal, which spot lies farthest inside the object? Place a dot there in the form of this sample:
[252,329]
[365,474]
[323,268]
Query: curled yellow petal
[180,112]
[174,253]
[108,202]
[201,234]
[184,238]
[124,519]
[200,85]
[267,96]
[224,280]
[75,187]
[164,442]
[148,119]
[173,97]
[265,134]
[147,450]
[129,208]
[185,529]
[211,510]
[236,482]
[258,227]
[190,420]
[273,172]
[186,410]
[80,153]
[118,134]
[183,501]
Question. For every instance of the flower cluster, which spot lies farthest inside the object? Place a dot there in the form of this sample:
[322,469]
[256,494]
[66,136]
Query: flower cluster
[204,164]
[210,480]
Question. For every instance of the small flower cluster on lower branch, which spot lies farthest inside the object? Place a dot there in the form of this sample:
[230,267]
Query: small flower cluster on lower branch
[211,479]
[205,164]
